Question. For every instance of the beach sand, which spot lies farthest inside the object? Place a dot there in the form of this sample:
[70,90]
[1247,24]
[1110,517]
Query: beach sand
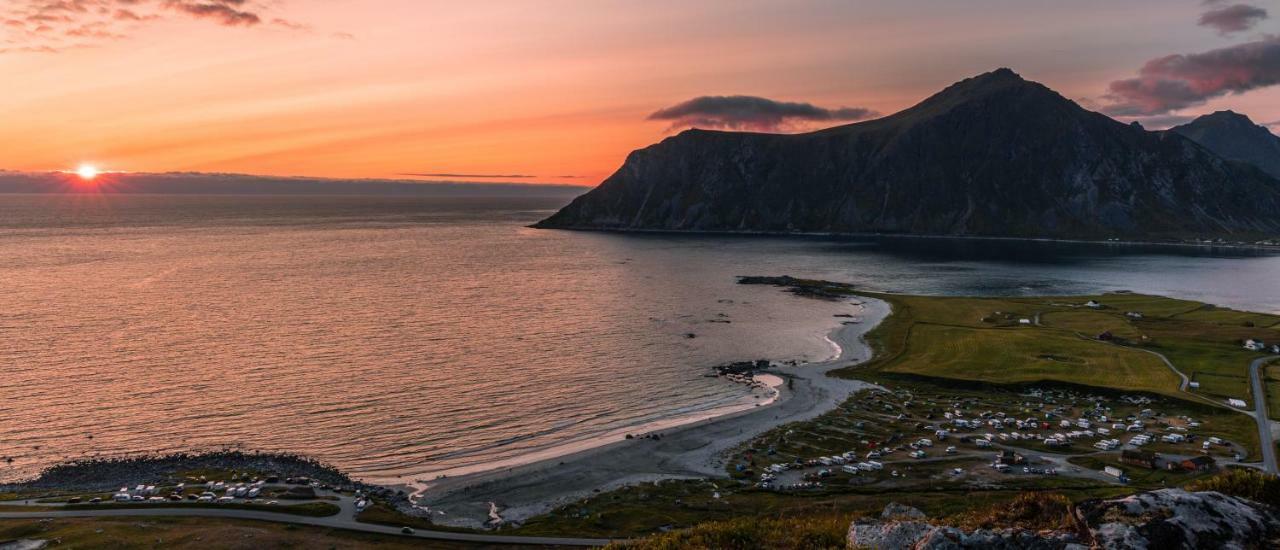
[694,450]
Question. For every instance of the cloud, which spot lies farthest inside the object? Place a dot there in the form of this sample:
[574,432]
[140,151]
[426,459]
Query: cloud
[485,176]
[1234,18]
[1175,82]
[741,112]
[226,12]
[57,25]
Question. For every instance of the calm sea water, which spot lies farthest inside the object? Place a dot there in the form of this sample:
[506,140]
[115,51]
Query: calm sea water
[403,337]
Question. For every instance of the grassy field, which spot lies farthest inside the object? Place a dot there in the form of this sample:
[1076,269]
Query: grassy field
[677,504]
[1273,388]
[201,533]
[1018,355]
[982,340]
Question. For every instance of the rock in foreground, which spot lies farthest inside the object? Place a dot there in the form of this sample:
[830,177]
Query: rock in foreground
[1164,519]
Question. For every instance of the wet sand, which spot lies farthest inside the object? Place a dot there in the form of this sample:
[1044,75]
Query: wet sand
[694,450]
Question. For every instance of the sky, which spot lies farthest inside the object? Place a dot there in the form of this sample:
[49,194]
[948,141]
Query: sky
[559,90]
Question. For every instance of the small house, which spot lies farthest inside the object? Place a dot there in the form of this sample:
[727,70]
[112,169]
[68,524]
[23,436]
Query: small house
[1144,459]
[1199,464]
[1106,336]
[1194,385]
[1254,345]
[1238,403]
[1010,457]
[1093,304]
[1133,314]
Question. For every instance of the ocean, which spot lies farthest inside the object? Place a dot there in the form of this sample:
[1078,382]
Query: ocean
[400,338]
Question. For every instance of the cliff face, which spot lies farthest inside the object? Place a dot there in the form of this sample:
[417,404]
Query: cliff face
[993,155]
[1233,136]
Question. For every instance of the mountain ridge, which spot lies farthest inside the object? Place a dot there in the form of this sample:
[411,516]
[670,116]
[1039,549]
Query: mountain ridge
[1234,136]
[992,155]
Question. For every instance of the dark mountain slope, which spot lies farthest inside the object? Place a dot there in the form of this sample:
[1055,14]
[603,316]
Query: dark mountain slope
[1233,136]
[993,155]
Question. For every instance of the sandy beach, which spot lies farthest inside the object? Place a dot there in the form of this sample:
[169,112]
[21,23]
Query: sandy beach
[694,450]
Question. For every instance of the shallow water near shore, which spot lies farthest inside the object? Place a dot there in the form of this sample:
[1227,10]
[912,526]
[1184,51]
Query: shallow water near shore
[402,337]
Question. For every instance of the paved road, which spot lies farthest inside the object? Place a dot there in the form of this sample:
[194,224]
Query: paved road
[345,519]
[1184,384]
[1260,413]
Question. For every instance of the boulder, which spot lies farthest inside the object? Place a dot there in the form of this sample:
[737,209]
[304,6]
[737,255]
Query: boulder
[1164,519]
[1174,518]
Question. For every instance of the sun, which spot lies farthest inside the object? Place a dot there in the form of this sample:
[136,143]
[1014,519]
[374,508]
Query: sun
[87,172]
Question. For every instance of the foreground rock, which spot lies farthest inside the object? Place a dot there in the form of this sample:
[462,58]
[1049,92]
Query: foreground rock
[1164,519]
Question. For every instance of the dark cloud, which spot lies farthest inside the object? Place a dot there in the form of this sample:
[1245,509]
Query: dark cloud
[1175,82]
[484,176]
[742,112]
[56,25]
[227,12]
[1234,18]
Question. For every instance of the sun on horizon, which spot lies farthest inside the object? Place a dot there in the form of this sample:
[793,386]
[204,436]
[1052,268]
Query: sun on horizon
[87,172]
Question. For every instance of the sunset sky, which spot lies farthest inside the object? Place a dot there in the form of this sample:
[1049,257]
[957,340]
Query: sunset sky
[560,91]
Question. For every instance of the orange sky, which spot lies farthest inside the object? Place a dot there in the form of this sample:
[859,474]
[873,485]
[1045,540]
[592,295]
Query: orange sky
[378,88]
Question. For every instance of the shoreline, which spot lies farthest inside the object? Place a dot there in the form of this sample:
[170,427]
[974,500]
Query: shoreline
[838,234]
[690,450]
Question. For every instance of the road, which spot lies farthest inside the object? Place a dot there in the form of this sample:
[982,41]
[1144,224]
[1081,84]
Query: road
[1260,413]
[345,519]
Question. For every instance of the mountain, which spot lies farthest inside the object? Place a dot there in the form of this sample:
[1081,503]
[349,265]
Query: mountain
[1233,136]
[993,155]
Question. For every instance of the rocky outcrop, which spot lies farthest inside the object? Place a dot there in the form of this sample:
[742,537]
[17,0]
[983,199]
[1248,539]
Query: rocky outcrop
[1164,519]
[1174,518]
[918,534]
[993,155]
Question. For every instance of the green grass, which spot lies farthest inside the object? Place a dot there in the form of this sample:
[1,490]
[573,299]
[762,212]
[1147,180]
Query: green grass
[1201,340]
[201,534]
[649,508]
[1011,356]
[1273,389]
[822,532]
[1230,317]
[1242,482]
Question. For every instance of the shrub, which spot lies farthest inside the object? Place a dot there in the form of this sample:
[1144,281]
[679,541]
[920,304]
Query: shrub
[1244,483]
[1034,511]
[747,533]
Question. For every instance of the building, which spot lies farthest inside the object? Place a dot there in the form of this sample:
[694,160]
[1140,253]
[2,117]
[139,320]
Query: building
[1093,304]
[1237,403]
[1010,457]
[1255,345]
[1133,314]
[1144,459]
[1106,336]
[1199,464]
